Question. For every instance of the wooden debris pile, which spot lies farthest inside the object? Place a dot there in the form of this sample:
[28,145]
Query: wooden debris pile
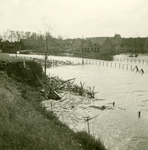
[57,85]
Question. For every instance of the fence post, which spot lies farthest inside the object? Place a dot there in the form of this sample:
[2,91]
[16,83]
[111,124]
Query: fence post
[82,61]
[87,120]
[88,125]
[51,106]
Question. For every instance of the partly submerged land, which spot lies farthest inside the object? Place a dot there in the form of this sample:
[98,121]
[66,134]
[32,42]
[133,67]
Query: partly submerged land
[24,123]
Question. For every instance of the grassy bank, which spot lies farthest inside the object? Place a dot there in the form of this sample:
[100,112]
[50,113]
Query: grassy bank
[25,125]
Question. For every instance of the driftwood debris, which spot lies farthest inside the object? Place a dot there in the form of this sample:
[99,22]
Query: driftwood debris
[58,84]
[54,85]
[48,92]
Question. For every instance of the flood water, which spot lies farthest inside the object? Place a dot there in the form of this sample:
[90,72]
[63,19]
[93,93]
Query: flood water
[120,128]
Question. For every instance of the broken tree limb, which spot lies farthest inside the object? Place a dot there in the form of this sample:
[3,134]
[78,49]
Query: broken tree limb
[49,93]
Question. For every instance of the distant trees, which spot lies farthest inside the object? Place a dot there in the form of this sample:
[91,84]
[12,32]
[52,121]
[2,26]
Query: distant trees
[136,46]
[18,35]
[13,36]
[33,35]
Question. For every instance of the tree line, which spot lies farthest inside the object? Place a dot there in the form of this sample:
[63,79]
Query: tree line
[13,36]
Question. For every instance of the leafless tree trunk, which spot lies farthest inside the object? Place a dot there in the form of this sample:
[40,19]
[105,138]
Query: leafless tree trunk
[46,36]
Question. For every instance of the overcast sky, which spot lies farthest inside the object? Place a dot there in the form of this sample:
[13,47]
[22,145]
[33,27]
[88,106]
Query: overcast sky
[77,18]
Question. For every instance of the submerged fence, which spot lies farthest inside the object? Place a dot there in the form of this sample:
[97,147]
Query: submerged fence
[113,64]
[131,60]
[121,63]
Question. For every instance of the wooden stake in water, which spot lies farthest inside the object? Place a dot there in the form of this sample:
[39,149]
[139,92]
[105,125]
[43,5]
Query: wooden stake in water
[82,61]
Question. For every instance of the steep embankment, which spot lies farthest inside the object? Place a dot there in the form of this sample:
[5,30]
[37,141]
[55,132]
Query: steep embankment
[24,124]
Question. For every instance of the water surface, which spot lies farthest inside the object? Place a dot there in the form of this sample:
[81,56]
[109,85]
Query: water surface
[120,128]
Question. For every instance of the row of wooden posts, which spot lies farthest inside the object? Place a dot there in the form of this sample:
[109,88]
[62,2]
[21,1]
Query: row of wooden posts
[128,60]
[113,64]
[110,63]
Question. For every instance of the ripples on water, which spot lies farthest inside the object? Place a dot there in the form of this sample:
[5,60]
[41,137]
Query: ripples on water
[119,128]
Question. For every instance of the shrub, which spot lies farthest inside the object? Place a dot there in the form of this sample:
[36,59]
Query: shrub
[25,71]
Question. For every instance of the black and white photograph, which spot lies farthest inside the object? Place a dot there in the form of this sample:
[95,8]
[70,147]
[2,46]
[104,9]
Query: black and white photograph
[74,75]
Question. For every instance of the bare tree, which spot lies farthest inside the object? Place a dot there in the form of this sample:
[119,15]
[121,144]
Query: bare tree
[46,38]
[5,36]
[33,35]
[18,36]
[23,35]
[28,35]
[11,35]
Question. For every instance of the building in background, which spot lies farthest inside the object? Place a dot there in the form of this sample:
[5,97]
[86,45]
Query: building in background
[97,45]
